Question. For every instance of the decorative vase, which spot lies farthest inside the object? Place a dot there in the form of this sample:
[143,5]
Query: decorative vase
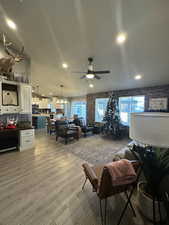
[145,204]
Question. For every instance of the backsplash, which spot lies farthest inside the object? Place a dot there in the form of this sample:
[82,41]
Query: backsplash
[15,116]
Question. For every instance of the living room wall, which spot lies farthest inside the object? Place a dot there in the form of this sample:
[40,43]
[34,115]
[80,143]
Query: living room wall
[148,92]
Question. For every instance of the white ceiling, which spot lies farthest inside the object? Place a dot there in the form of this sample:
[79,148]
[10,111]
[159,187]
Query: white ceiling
[56,31]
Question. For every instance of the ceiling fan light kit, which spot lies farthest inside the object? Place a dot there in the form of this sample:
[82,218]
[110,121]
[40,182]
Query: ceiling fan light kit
[90,76]
[91,73]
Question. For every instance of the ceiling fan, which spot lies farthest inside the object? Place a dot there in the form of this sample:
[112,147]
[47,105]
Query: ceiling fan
[91,73]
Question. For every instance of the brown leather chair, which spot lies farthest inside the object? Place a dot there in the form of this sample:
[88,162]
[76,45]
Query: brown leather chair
[66,132]
[101,182]
[85,128]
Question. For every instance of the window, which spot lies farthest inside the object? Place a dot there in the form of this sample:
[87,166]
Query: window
[79,108]
[100,108]
[129,105]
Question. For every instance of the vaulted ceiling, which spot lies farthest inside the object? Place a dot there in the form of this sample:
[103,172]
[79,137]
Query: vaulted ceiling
[57,31]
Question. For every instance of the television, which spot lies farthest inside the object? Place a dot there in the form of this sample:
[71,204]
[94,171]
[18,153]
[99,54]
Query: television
[10,95]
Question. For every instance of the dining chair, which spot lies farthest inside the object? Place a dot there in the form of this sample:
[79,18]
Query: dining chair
[50,126]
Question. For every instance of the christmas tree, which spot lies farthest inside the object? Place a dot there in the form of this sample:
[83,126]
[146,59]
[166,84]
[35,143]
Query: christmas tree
[112,117]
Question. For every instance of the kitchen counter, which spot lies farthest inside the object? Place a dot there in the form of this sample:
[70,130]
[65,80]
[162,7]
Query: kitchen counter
[14,129]
[42,114]
[18,138]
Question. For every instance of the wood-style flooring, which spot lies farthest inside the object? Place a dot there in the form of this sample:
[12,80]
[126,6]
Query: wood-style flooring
[43,187]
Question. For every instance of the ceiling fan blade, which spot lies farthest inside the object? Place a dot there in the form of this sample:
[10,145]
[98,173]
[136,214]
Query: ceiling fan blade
[77,72]
[84,76]
[97,77]
[102,72]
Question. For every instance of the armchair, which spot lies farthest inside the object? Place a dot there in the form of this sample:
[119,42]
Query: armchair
[66,132]
[85,128]
[101,182]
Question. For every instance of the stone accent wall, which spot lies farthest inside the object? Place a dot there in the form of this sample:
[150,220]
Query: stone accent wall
[148,92]
[90,117]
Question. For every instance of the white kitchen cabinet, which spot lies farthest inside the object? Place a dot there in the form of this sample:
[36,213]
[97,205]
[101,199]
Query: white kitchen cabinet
[27,139]
[8,109]
[26,98]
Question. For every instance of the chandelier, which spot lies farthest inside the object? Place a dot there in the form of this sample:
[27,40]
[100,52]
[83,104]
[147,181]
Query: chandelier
[60,99]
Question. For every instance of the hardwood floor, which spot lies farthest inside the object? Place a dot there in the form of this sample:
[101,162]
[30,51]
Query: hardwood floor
[43,187]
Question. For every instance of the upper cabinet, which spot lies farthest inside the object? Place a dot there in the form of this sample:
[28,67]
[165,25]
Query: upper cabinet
[26,98]
[15,98]
[9,97]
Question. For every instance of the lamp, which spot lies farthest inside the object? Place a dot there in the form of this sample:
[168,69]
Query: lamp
[60,99]
[150,128]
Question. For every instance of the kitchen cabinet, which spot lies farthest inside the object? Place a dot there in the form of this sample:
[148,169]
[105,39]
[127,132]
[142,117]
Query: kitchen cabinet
[9,97]
[26,98]
[27,139]
[15,97]
[9,139]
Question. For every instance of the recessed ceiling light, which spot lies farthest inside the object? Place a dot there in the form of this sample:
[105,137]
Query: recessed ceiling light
[51,93]
[138,77]
[121,38]
[90,75]
[91,85]
[11,24]
[65,65]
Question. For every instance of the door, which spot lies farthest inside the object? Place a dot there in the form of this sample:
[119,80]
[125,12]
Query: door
[26,98]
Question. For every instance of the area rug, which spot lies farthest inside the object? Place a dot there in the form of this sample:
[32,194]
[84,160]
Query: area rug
[95,149]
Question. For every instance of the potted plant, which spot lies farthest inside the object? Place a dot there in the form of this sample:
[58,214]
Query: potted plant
[155,165]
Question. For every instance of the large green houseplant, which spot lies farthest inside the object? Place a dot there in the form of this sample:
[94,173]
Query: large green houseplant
[155,166]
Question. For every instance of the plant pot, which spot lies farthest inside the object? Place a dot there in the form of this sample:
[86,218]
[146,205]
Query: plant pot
[145,204]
